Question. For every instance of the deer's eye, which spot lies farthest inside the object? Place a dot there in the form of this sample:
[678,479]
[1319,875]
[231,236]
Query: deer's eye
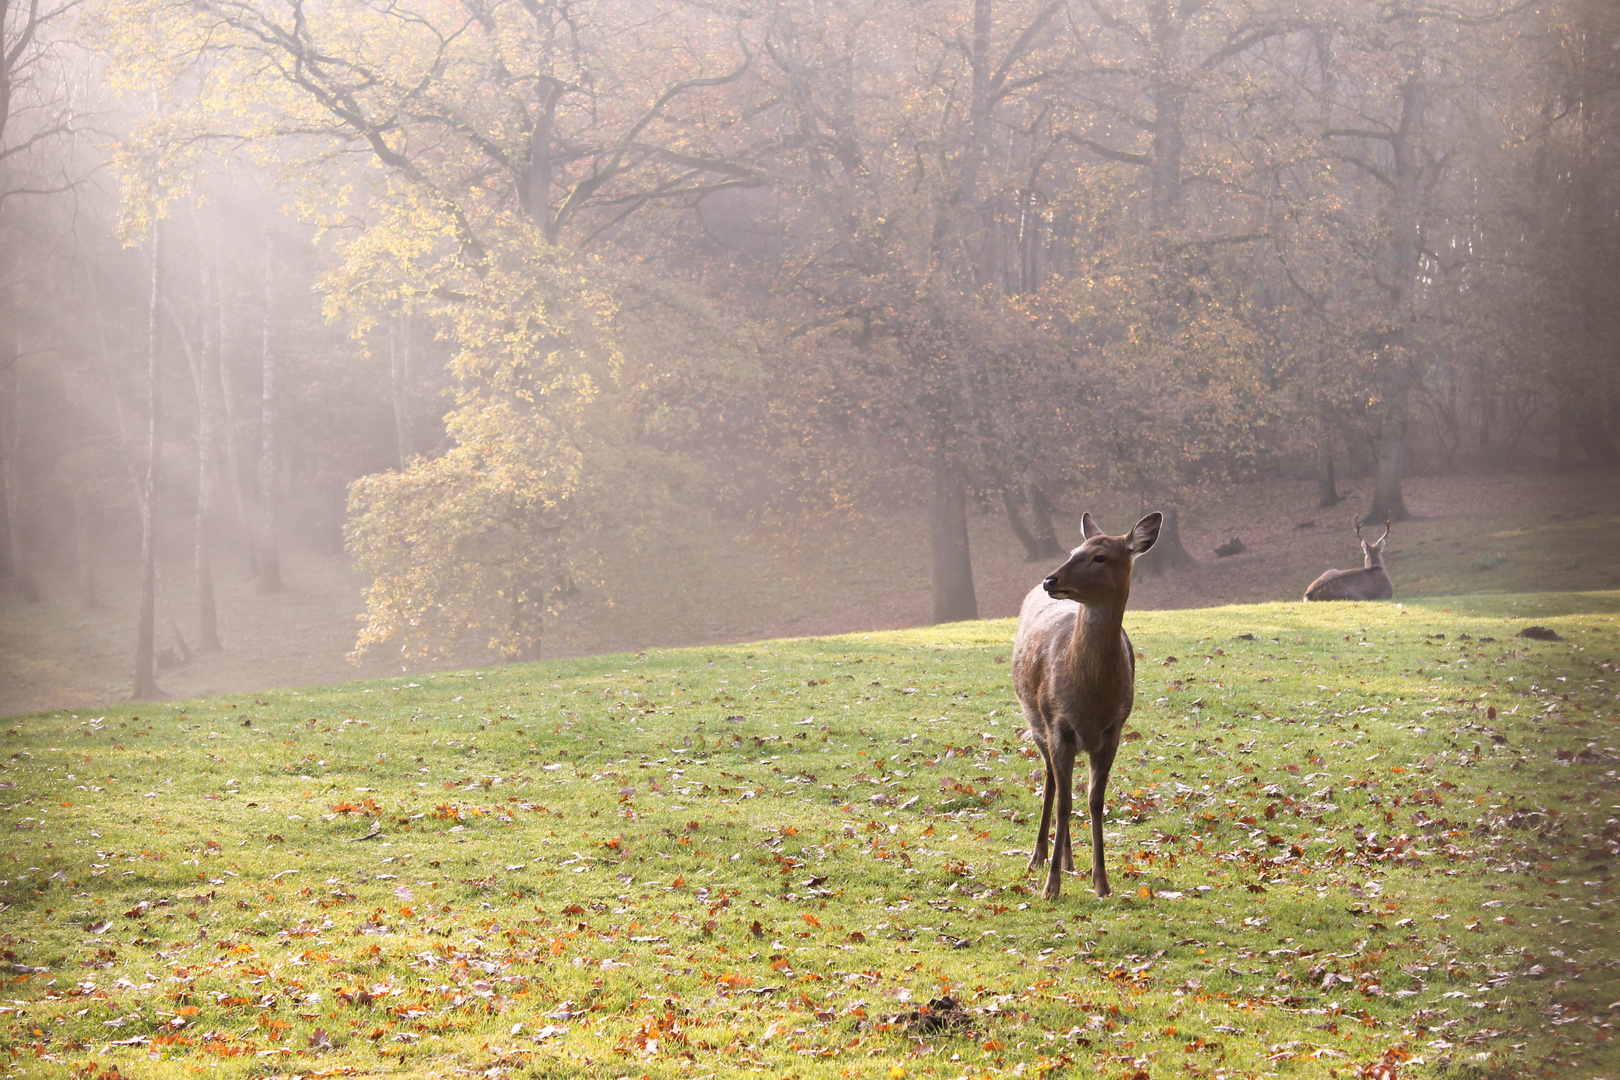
[1099,558]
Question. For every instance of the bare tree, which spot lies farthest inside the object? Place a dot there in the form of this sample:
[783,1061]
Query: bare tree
[35,109]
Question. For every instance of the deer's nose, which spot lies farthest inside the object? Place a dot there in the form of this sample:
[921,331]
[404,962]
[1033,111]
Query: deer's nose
[1050,583]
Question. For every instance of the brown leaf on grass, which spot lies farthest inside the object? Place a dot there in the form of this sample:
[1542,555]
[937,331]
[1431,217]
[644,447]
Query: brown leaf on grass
[1387,1067]
[100,926]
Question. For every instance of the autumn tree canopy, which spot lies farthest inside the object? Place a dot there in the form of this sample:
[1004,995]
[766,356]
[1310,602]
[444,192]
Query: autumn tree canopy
[599,272]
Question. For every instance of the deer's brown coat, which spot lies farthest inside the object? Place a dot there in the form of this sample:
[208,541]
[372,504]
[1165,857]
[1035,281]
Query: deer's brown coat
[1075,676]
[1371,582]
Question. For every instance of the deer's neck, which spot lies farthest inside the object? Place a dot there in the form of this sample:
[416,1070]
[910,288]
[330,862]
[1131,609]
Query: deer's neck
[1095,647]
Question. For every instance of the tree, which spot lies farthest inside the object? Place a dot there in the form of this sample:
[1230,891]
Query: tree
[37,114]
[146,687]
[885,244]
[1383,123]
[494,133]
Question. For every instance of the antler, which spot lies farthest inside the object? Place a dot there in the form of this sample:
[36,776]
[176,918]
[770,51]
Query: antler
[1358,528]
[1387,518]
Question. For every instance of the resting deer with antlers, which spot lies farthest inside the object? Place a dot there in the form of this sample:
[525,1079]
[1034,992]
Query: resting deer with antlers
[1075,675]
[1371,582]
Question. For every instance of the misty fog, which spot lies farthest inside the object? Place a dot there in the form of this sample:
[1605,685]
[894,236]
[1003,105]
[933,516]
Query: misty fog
[340,338]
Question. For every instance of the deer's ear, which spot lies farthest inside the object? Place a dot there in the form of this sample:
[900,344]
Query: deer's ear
[1146,532]
[1089,526]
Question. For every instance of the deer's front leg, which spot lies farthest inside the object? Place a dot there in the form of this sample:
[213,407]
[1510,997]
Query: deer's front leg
[1038,859]
[1102,763]
[1063,767]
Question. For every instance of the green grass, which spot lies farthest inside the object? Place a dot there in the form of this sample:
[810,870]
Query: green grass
[1562,550]
[1343,838]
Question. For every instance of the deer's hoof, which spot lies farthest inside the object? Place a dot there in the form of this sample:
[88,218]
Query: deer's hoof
[1053,887]
[1103,890]
[1037,860]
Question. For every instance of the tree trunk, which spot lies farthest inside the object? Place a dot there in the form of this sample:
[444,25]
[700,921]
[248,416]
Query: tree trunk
[1010,499]
[536,188]
[1387,502]
[952,577]
[204,372]
[1168,92]
[146,686]
[1165,203]
[246,516]
[97,314]
[1040,513]
[6,511]
[1596,442]
[1387,499]
[270,443]
[83,549]
[1167,555]
[207,608]
[399,363]
[1564,463]
[1327,489]
[10,487]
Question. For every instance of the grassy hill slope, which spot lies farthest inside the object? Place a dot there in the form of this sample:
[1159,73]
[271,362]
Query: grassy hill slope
[1343,838]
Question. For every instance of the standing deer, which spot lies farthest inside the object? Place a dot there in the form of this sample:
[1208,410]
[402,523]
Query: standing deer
[1075,676]
[1371,582]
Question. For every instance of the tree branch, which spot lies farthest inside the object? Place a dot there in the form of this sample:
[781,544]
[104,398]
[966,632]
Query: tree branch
[1108,152]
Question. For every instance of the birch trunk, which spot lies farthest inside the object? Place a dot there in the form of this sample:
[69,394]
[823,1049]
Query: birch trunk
[146,686]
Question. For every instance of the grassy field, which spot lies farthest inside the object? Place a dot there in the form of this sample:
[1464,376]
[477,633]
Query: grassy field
[1346,840]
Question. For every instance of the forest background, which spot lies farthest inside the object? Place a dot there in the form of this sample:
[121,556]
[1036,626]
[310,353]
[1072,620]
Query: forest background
[525,304]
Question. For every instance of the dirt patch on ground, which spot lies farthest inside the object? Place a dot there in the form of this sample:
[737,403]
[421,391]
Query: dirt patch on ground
[1469,534]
